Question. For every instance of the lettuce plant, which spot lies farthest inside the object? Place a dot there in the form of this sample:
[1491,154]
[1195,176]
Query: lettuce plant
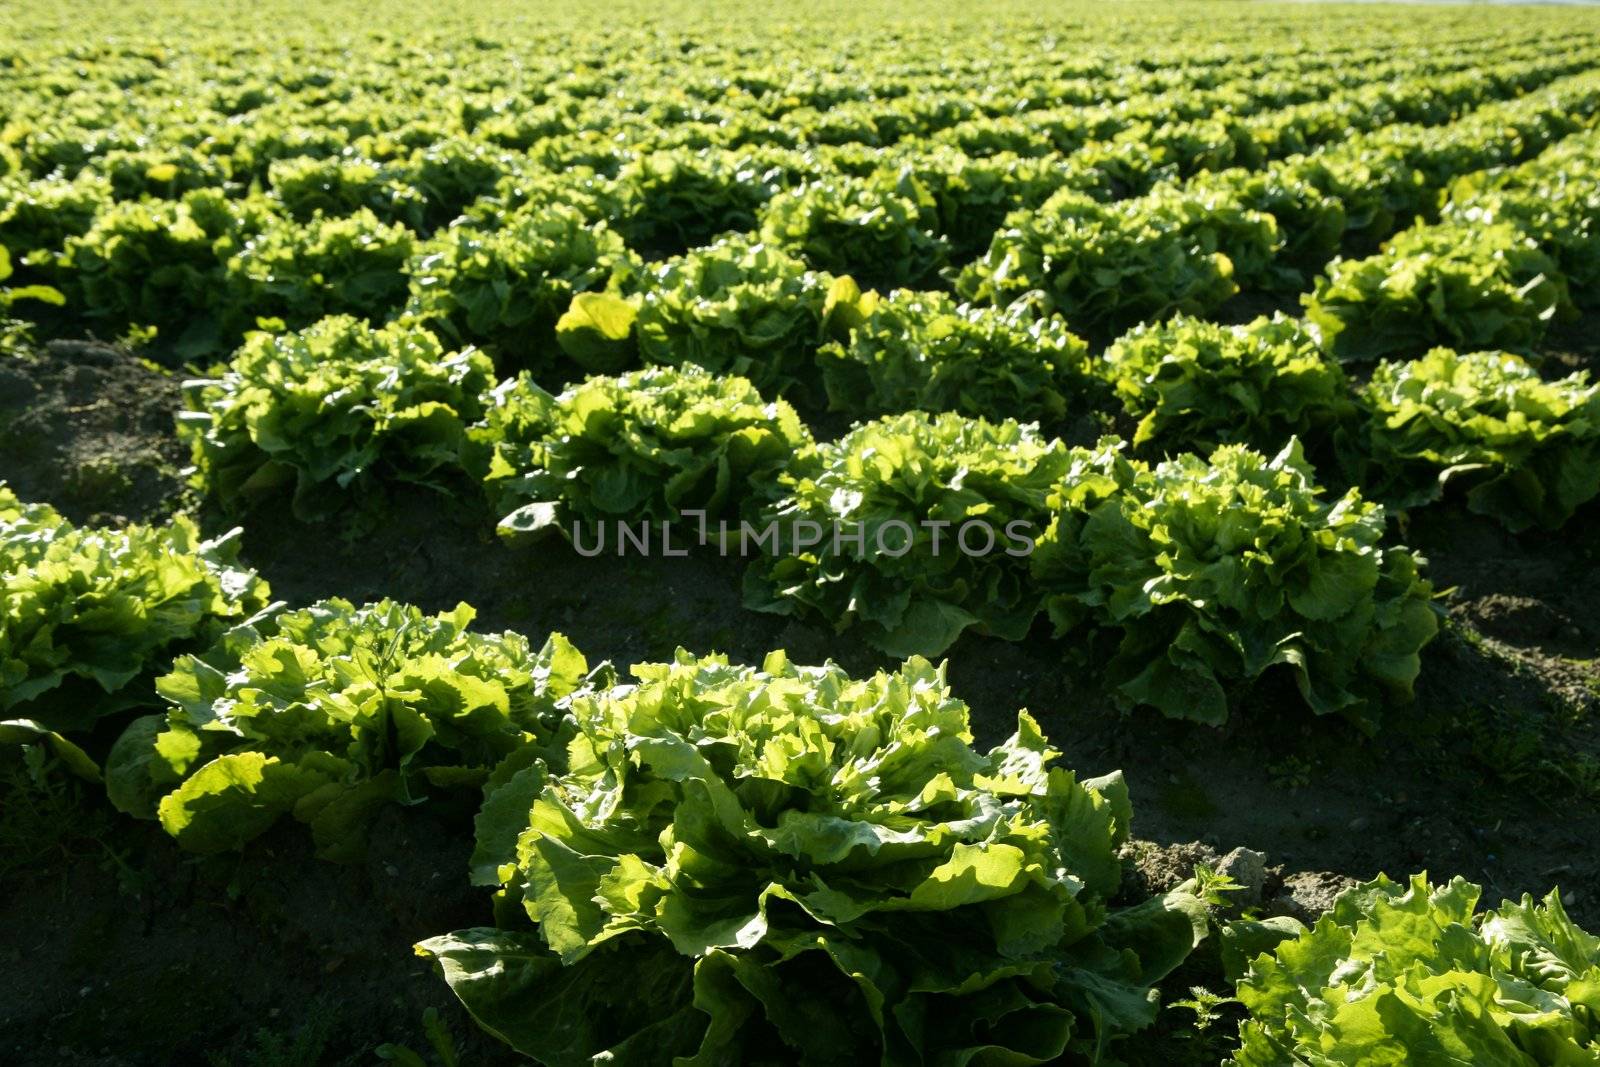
[333,412]
[1311,223]
[531,190]
[678,200]
[1413,974]
[299,273]
[451,173]
[163,173]
[1463,285]
[254,147]
[504,289]
[910,530]
[647,445]
[1562,219]
[1200,575]
[1105,267]
[1194,385]
[924,351]
[881,233]
[1197,146]
[787,863]
[737,307]
[37,218]
[343,186]
[86,612]
[328,712]
[162,265]
[985,137]
[1111,171]
[972,197]
[1527,451]
[1374,183]
[1552,199]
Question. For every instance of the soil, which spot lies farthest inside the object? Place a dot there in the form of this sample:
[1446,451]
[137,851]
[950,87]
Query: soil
[114,940]
[88,427]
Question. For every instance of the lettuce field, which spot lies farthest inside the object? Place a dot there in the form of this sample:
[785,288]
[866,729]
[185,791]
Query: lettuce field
[921,535]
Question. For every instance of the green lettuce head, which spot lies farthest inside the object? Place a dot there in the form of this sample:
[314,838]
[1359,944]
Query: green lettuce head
[1194,385]
[87,611]
[879,231]
[1105,267]
[505,288]
[740,307]
[910,530]
[1204,573]
[1463,284]
[331,711]
[924,351]
[333,414]
[788,862]
[677,200]
[1404,974]
[1526,451]
[647,445]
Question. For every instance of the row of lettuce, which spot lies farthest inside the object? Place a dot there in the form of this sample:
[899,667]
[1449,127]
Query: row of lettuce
[1178,217]
[705,857]
[709,858]
[761,310]
[909,530]
[334,415]
[234,124]
[1187,579]
[1514,249]
[420,164]
[1192,246]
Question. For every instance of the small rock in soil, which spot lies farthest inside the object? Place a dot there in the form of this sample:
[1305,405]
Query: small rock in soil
[1248,869]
